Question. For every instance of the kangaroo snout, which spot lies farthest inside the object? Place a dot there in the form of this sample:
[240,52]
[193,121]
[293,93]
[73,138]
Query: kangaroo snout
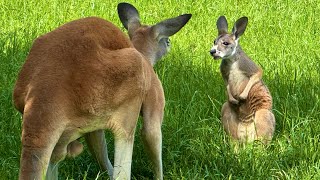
[213,53]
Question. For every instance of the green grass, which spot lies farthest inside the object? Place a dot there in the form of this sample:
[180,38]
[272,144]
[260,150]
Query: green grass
[282,37]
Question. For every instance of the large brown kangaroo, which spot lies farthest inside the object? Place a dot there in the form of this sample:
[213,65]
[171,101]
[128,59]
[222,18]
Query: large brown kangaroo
[87,76]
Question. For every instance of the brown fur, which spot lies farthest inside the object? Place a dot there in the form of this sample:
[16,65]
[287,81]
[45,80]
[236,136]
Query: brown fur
[247,115]
[82,78]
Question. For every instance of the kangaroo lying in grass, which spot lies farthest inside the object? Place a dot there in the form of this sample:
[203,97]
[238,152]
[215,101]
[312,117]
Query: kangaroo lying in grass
[247,115]
[87,76]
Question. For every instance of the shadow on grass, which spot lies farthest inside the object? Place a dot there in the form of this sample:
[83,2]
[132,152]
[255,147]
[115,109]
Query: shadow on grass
[194,143]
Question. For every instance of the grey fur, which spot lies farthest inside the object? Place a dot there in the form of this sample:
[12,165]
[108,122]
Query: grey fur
[247,114]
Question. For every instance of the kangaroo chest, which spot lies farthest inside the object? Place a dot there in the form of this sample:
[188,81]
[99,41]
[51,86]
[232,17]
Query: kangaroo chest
[236,79]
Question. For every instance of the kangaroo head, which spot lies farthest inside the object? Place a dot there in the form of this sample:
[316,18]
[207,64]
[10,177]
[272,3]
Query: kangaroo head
[225,44]
[152,41]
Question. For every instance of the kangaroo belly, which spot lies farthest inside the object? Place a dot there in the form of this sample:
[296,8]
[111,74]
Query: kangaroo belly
[258,98]
[246,132]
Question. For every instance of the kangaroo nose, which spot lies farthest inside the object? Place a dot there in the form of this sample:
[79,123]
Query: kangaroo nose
[212,52]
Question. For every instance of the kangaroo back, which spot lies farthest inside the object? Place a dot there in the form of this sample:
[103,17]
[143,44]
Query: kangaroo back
[58,55]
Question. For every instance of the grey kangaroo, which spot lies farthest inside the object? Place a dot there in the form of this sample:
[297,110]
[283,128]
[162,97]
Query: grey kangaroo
[247,115]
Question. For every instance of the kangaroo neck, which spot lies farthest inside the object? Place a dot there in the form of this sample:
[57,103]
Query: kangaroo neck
[239,54]
[228,62]
[145,51]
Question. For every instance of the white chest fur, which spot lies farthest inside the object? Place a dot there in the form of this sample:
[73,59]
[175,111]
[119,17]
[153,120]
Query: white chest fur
[237,79]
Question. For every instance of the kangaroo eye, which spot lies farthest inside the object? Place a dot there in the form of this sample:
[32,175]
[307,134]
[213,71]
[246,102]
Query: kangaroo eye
[214,42]
[225,43]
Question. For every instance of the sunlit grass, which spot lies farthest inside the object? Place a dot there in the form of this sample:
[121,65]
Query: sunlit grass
[282,37]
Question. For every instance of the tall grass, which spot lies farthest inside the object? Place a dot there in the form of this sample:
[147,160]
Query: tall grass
[282,37]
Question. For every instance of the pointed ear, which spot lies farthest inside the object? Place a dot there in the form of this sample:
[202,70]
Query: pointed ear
[239,27]
[171,26]
[129,16]
[222,25]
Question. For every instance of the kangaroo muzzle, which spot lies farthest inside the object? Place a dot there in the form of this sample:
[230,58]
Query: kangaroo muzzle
[213,53]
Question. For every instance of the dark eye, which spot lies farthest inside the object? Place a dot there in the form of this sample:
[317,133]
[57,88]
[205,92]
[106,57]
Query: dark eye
[214,42]
[225,43]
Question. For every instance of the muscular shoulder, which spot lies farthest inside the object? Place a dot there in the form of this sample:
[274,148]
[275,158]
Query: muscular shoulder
[247,66]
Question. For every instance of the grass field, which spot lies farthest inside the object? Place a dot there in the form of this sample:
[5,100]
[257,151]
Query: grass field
[283,37]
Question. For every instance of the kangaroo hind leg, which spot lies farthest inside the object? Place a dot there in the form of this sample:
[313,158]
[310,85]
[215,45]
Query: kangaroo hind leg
[98,147]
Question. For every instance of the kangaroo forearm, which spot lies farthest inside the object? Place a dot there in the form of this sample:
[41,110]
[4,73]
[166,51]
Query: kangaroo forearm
[253,80]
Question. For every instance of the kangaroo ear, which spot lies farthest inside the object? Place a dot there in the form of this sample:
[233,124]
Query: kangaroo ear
[239,27]
[171,26]
[222,25]
[129,16]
